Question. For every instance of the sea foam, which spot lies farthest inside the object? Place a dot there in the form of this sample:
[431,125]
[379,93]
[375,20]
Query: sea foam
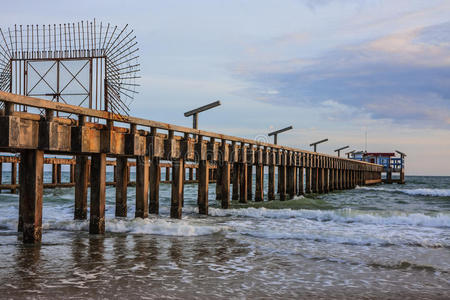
[341,216]
[412,192]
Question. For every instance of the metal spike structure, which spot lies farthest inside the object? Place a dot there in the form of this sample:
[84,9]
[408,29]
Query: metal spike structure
[85,63]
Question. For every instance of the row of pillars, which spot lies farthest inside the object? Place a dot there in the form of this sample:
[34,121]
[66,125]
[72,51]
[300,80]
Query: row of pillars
[292,181]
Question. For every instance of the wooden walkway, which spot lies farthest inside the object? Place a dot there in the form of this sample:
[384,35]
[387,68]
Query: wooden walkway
[234,159]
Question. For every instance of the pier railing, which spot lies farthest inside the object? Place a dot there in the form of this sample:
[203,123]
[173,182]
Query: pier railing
[299,171]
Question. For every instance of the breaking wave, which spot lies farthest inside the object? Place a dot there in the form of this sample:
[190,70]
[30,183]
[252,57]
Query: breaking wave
[413,192]
[341,216]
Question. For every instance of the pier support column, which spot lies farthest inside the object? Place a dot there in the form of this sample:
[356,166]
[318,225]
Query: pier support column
[314,180]
[236,172]
[290,181]
[225,184]
[142,168]
[121,174]
[218,178]
[98,189]
[300,178]
[72,173]
[167,174]
[243,183]
[271,188]
[191,174]
[259,188]
[58,173]
[308,180]
[155,179]
[30,198]
[402,176]
[320,180]
[1,174]
[13,177]
[331,183]
[282,176]
[54,174]
[326,182]
[203,182]
[249,181]
[177,189]
[81,186]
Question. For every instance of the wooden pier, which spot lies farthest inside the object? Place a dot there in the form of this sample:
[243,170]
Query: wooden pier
[98,144]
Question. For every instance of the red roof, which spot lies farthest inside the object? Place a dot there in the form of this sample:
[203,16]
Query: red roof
[380,154]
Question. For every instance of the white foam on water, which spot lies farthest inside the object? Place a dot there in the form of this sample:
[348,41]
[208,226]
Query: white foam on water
[340,216]
[412,192]
[155,226]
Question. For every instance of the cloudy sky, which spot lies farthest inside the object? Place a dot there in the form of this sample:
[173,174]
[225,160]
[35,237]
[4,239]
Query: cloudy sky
[331,68]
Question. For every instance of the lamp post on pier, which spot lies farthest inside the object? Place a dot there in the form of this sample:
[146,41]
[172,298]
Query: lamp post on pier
[194,113]
[316,143]
[275,133]
[340,149]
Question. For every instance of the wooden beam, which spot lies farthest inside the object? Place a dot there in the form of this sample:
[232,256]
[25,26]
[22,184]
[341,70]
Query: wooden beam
[31,190]
[243,183]
[155,178]
[202,196]
[98,189]
[81,186]
[225,184]
[259,187]
[142,199]
[235,180]
[121,171]
[271,187]
[177,187]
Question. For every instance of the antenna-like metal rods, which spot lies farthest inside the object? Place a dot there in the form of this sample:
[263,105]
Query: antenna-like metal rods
[194,112]
[275,133]
[316,143]
[339,150]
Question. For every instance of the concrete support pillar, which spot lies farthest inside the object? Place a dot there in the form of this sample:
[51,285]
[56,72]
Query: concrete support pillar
[203,182]
[13,177]
[308,188]
[243,183]
[72,173]
[290,181]
[259,187]
[271,187]
[121,171]
[177,189]
[314,180]
[142,181]
[191,174]
[218,177]
[300,178]
[167,173]
[235,180]
[320,180]
[58,173]
[326,182]
[249,181]
[155,179]
[31,191]
[225,184]
[81,186]
[282,176]
[98,190]
[54,174]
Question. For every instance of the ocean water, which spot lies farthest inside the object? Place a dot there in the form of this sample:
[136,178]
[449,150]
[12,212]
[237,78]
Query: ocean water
[385,241]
